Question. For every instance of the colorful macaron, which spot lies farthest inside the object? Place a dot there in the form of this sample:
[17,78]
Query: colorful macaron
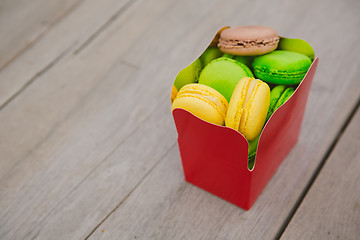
[210,54]
[247,60]
[248,40]
[278,96]
[202,101]
[296,45]
[281,67]
[223,74]
[248,107]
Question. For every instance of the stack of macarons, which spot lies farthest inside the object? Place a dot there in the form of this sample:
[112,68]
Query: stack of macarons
[239,81]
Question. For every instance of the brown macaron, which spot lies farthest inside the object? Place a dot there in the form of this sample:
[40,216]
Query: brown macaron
[248,40]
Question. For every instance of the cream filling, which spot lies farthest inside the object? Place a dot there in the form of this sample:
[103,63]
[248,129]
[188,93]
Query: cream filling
[250,92]
[231,43]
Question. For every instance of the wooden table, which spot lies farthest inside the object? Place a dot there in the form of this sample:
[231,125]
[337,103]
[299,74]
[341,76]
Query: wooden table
[88,145]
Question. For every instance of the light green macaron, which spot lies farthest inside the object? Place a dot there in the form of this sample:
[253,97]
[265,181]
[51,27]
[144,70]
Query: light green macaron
[210,54]
[223,74]
[296,45]
[247,60]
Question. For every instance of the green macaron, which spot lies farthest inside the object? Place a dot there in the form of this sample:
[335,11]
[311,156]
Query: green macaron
[210,54]
[223,74]
[188,75]
[281,67]
[252,152]
[247,60]
[296,45]
[278,96]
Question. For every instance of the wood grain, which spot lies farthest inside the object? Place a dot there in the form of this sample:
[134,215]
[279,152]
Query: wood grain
[90,144]
[22,23]
[95,83]
[331,209]
[67,36]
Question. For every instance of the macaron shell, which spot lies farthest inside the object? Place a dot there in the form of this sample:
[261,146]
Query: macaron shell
[203,102]
[284,97]
[248,40]
[235,110]
[223,74]
[254,115]
[278,96]
[281,67]
[296,45]
[188,75]
[247,60]
[275,95]
[210,54]
[250,119]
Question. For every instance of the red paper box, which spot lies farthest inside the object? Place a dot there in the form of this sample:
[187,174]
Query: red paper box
[215,158]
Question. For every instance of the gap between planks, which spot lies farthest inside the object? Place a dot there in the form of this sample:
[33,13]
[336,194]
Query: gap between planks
[37,75]
[104,26]
[130,192]
[97,166]
[318,169]
[66,51]
[37,38]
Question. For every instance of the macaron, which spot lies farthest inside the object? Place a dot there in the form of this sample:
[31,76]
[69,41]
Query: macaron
[223,74]
[248,107]
[281,67]
[202,101]
[278,96]
[247,60]
[296,45]
[188,75]
[248,40]
[252,152]
[210,54]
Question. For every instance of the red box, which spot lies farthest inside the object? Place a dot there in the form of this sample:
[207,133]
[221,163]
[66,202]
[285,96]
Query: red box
[215,158]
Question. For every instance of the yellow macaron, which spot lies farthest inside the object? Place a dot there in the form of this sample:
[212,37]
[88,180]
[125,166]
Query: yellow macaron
[202,101]
[248,107]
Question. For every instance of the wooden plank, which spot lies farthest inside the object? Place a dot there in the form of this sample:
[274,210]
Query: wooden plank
[69,120]
[69,35]
[331,209]
[73,31]
[23,22]
[163,206]
[127,165]
[73,146]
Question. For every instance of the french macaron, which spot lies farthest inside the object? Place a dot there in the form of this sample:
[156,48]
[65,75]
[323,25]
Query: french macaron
[281,67]
[223,74]
[248,107]
[202,101]
[278,96]
[247,60]
[188,75]
[296,45]
[248,40]
[252,152]
[210,54]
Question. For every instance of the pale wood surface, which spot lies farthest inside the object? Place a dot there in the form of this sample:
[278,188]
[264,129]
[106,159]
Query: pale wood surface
[331,209]
[88,146]
[23,22]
